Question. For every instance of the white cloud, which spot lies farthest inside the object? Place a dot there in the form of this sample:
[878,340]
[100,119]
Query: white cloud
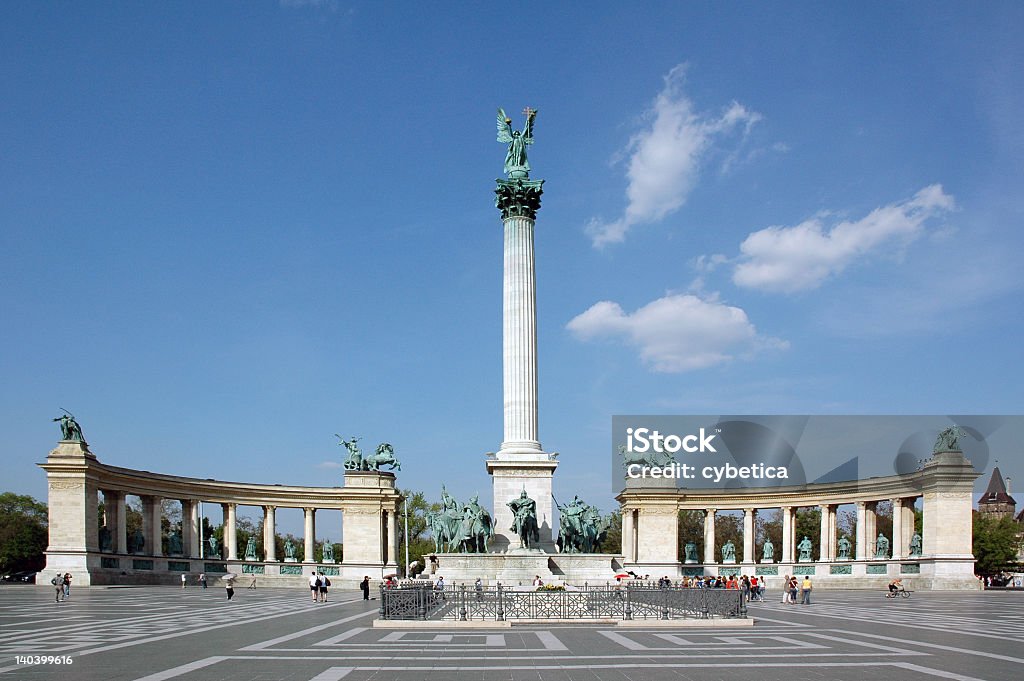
[329,464]
[665,158]
[788,259]
[676,333]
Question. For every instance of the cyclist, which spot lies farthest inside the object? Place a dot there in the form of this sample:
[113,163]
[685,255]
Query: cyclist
[894,587]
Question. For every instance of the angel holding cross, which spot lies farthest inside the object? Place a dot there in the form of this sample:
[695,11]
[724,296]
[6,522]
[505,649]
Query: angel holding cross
[516,165]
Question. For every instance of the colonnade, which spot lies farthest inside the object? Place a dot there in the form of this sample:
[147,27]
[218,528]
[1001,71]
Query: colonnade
[650,526]
[368,502]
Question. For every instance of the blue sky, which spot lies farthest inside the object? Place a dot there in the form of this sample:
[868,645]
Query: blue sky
[230,230]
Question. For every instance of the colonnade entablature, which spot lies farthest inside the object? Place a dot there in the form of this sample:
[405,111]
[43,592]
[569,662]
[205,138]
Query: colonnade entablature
[99,550]
[940,556]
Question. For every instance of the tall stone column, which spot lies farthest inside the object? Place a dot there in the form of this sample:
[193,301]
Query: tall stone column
[269,533]
[709,537]
[520,463]
[309,535]
[787,534]
[230,530]
[748,536]
[861,549]
[833,534]
[898,550]
[189,535]
[152,512]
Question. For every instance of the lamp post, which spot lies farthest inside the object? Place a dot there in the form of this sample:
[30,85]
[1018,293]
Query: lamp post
[202,539]
[407,538]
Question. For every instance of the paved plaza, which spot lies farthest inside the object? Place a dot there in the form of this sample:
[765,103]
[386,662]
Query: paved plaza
[160,633]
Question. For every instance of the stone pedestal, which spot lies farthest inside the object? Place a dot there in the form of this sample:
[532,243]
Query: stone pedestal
[368,525]
[510,478]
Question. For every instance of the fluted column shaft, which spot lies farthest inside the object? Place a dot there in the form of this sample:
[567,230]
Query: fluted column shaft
[787,534]
[709,536]
[269,533]
[309,535]
[230,530]
[519,340]
[748,536]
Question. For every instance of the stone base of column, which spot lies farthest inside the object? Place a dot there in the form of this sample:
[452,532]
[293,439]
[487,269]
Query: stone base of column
[509,479]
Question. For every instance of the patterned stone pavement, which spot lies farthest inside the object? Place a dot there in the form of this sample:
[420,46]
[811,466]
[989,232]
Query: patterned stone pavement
[164,633]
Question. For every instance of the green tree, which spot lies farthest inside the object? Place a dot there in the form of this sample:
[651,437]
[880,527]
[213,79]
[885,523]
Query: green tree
[23,534]
[691,529]
[996,543]
[612,542]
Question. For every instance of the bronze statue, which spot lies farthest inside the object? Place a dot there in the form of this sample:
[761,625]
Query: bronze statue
[949,440]
[517,166]
[525,522]
[70,431]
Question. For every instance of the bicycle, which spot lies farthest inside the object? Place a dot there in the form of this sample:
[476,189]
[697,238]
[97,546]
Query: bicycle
[901,592]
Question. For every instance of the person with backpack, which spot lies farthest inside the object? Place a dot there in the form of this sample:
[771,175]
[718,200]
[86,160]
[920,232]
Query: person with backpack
[324,583]
[365,586]
[314,585]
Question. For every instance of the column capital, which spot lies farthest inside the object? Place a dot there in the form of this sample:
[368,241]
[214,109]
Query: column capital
[518,198]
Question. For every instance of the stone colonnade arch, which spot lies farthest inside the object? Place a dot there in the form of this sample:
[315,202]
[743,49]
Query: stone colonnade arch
[368,501]
[650,518]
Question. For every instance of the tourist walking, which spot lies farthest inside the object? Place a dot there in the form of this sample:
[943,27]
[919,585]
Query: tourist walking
[229,586]
[202,579]
[805,591]
[67,585]
[58,585]
[182,580]
[365,586]
[324,583]
[785,590]
[793,588]
[314,585]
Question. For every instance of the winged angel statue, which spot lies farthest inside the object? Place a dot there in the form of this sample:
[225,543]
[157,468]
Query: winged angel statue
[516,165]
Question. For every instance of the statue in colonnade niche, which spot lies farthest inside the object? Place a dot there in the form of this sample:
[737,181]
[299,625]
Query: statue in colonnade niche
[289,549]
[174,544]
[881,546]
[214,548]
[768,551]
[136,542]
[915,546]
[844,547]
[328,551]
[805,548]
[690,552]
[728,552]
[250,549]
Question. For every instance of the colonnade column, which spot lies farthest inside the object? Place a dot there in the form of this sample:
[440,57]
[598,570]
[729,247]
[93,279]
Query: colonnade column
[897,529]
[709,536]
[832,531]
[189,547]
[748,536]
[824,543]
[628,536]
[309,534]
[269,534]
[861,549]
[113,507]
[787,534]
[151,526]
[230,533]
[871,528]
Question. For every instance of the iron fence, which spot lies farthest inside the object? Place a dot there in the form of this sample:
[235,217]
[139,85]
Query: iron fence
[497,603]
